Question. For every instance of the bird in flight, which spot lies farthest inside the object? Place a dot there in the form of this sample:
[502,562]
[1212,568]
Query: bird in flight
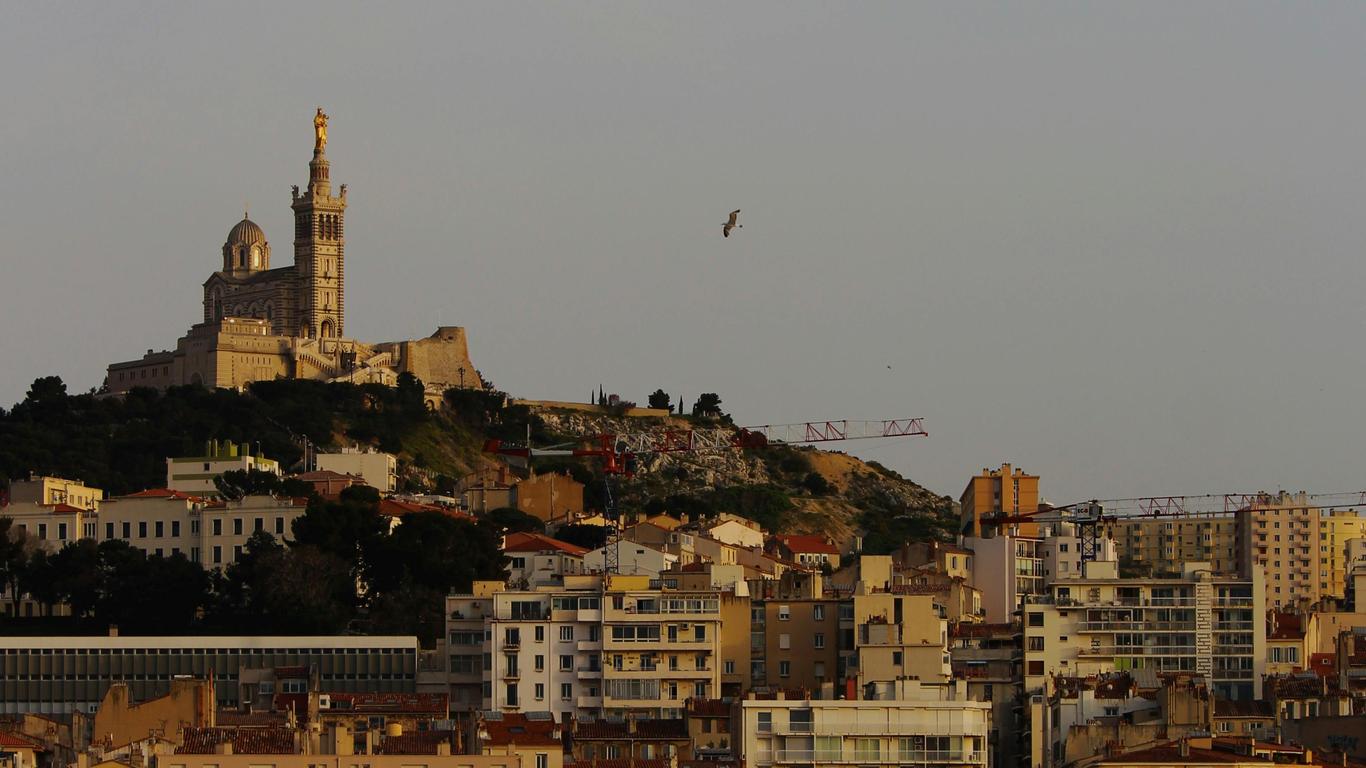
[729,225]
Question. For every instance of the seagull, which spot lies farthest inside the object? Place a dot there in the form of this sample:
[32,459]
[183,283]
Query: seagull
[729,225]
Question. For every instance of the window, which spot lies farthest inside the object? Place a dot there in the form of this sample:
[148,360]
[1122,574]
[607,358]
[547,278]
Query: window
[259,524]
[109,530]
[730,667]
[542,760]
[61,531]
[818,639]
[540,634]
[1036,643]
[142,530]
[279,526]
[217,555]
[818,612]
[237,526]
[818,669]
[519,563]
[700,632]
[800,720]
[699,690]
[784,669]
[175,527]
[511,692]
[218,526]
[540,691]
[540,663]
[566,691]
[1062,548]
[784,641]
[764,722]
[896,658]
[566,634]
[1035,667]
[1036,619]
[566,662]
[465,665]
[237,552]
[784,612]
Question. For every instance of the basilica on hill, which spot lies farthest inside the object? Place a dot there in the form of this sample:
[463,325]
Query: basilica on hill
[290,322]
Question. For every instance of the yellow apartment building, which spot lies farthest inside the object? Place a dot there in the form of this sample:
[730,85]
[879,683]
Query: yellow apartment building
[43,489]
[1157,545]
[1301,548]
[1007,490]
[899,636]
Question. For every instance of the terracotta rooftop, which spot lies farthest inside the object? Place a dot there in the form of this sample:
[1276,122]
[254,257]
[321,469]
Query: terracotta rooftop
[231,718]
[672,729]
[65,509]
[437,704]
[708,708]
[12,740]
[1300,687]
[1243,708]
[1284,626]
[516,728]
[806,544]
[245,741]
[417,743]
[159,493]
[524,541]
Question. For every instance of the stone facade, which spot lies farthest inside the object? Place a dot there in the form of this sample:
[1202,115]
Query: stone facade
[262,323]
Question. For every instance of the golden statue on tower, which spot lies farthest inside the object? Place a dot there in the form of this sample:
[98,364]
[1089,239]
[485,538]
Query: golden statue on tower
[319,131]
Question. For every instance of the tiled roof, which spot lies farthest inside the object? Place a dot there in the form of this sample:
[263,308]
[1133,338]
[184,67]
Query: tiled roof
[436,704]
[524,541]
[647,730]
[517,728]
[228,718]
[1300,687]
[417,743]
[327,474]
[708,708]
[1170,754]
[160,493]
[1284,626]
[12,740]
[245,741]
[1242,708]
[65,509]
[807,544]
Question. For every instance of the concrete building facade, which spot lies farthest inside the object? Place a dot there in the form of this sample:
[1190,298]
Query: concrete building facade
[195,474]
[1007,490]
[42,489]
[378,469]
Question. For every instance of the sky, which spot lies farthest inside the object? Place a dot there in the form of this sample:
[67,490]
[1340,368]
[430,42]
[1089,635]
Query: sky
[1118,245]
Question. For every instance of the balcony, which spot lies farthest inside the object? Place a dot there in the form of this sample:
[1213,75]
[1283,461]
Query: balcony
[588,702]
[512,674]
[855,757]
[589,645]
[589,672]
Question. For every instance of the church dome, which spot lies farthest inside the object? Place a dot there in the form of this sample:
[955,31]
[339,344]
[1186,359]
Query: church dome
[246,233]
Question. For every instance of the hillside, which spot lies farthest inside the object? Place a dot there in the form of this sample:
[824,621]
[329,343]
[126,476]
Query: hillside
[121,444]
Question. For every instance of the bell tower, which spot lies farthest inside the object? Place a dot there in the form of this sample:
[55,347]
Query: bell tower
[320,246]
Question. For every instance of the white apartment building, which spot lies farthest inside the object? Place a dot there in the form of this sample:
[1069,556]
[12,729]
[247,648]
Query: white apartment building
[195,474]
[211,533]
[922,725]
[543,649]
[1200,623]
[1061,551]
[376,468]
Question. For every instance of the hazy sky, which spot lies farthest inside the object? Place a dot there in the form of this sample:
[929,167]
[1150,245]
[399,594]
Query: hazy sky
[1120,245]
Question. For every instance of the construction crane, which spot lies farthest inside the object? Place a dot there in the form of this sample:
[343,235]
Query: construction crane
[618,451]
[1090,516]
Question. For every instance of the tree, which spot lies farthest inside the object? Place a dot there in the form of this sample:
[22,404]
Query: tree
[77,575]
[37,580]
[12,558]
[509,520]
[236,483]
[350,529]
[816,483]
[660,399]
[708,405]
[580,535]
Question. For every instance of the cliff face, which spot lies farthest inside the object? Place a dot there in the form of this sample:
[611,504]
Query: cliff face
[800,488]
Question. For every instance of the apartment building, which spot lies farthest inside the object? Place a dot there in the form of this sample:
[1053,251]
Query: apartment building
[916,725]
[989,658]
[734,650]
[212,533]
[535,559]
[543,648]
[1301,549]
[468,646]
[1199,622]
[195,474]
[1007,491]
[1006,569]
[898,636]
[44,489]
[659,647]
[52,525]
[794,633]
[1159,545]
[58,675]
[377,468]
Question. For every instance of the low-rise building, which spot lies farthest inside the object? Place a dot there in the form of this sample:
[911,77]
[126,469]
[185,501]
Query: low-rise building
[808,550]
[536,560]
[631,738]
[919,725]
[49,491]
[376,468]
[534,737]
[195,474]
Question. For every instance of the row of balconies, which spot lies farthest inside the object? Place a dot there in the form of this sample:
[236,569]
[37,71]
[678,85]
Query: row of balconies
[822,757]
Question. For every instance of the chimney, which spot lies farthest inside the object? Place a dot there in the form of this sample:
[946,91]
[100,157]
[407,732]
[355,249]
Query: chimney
[1185,747]
[443,749]
[113,630]
[223,748]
